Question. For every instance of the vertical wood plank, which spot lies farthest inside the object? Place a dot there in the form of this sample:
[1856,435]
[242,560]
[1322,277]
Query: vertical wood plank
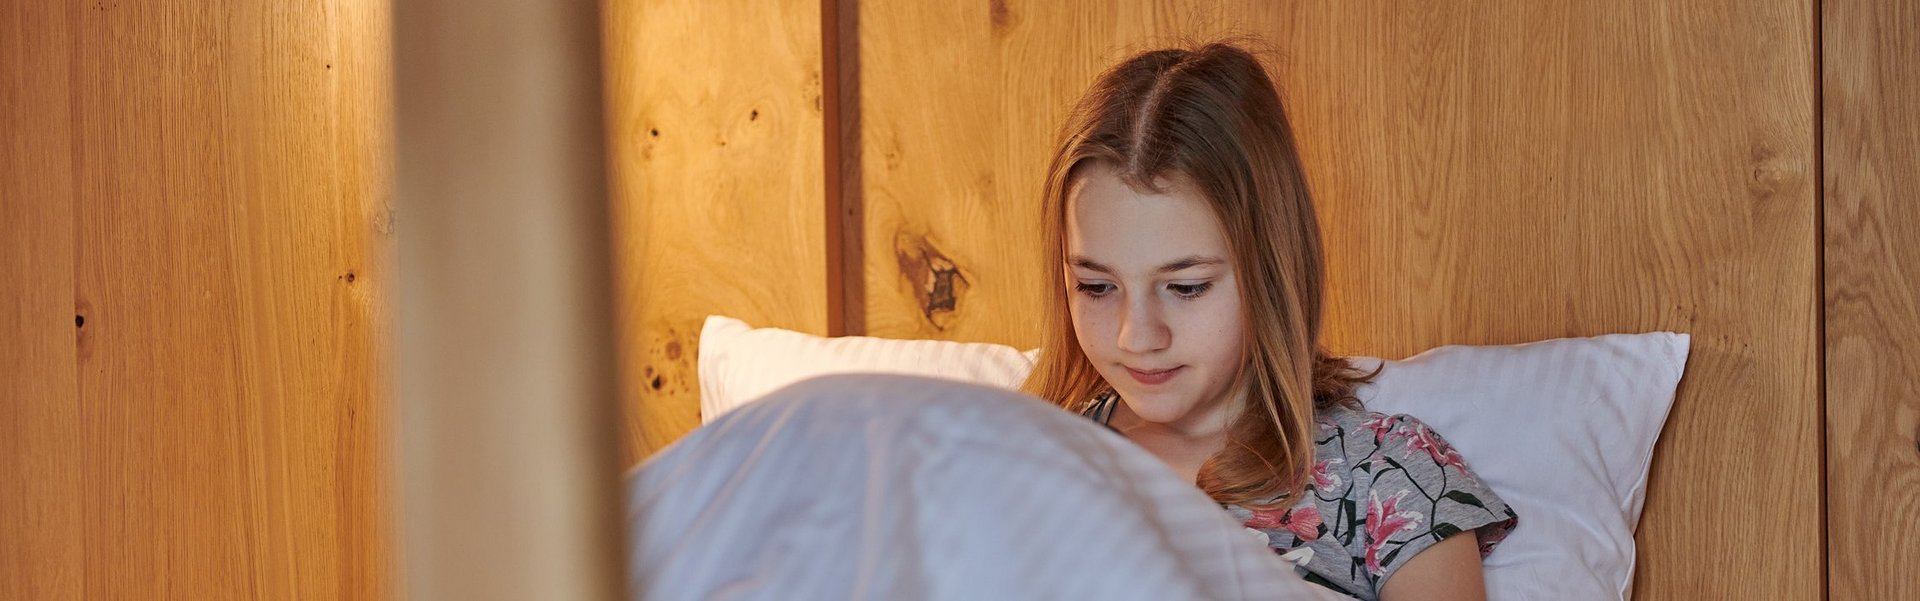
[845,214]
[715,118]
[959,103]
[1533,171]
[203,184]
[1871,152]
[40,413]
[1487,174]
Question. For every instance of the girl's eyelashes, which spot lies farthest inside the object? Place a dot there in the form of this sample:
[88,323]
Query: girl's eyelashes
[1189,291]
[1093,290]
[1184,291]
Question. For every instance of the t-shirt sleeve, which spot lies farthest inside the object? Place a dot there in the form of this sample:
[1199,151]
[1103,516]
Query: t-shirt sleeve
[1421,492]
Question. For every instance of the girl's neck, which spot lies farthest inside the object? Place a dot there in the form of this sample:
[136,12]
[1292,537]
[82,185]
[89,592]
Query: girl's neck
[1184,447]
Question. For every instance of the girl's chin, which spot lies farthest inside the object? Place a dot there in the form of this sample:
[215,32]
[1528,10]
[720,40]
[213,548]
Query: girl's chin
[1159,408]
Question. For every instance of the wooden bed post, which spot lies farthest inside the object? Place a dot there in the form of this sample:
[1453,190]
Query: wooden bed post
[508,468]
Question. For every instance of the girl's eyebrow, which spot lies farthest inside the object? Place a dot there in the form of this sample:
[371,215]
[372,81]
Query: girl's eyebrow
[1189,262]
[1176,265]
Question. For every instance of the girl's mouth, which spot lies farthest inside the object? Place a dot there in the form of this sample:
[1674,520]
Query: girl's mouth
[1154,377]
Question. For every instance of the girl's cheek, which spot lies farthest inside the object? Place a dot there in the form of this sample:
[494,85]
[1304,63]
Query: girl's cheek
[1085,327]
[1096,330]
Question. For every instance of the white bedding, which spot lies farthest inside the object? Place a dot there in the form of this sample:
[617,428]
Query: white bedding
[897,487]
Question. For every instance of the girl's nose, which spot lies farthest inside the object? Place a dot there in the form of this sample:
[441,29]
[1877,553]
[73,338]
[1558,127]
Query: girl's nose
[1142,330]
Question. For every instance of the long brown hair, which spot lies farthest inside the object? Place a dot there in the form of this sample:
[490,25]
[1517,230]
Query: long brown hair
[1212,114]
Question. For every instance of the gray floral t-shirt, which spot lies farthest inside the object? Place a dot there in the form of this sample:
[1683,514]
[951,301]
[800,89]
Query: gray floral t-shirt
[1383,488]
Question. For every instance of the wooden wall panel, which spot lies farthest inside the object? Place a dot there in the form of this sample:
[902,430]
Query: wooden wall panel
[204,184]
[715,118]
[1592,168]
[40,411]
[1486,173]
[1871,150]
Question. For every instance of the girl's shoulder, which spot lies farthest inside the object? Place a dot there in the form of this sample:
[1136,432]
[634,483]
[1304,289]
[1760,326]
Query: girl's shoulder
[1369,441]
[1349,419]
[1382,489]
[1400,487]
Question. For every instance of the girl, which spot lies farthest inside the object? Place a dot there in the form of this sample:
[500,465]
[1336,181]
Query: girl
[1179,225]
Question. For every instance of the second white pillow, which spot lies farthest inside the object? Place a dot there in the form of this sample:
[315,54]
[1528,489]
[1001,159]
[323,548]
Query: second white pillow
[740,363]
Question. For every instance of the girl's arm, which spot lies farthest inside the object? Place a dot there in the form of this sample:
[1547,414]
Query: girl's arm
[1447,571]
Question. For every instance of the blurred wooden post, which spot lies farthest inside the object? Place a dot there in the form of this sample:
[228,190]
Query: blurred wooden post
[508,469]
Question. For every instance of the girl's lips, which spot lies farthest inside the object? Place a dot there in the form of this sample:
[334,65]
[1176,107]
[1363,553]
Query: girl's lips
[1151,378]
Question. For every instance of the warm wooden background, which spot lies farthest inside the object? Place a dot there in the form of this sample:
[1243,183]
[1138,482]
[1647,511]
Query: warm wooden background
[1871,155]
[193,399]
[1488,173]
[715,122]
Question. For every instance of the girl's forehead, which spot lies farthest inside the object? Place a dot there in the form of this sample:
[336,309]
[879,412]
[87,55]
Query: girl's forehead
[1117,224]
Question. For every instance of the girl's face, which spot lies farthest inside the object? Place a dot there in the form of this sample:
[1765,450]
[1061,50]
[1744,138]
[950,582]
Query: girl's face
[1154,302]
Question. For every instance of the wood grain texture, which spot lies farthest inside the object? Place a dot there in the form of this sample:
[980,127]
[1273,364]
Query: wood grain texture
[204,184]
[1584,169]
[1871,150]
[1487,174]
[718,187]
[40,411]
[845,213]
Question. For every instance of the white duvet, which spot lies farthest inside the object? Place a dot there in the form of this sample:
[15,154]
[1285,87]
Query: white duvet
[894,487]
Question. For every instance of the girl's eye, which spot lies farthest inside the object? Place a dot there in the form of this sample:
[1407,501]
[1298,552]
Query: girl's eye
[1093,290]
[1189,291]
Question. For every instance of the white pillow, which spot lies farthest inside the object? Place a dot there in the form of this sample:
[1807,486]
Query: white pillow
[739,363]
[1562,429]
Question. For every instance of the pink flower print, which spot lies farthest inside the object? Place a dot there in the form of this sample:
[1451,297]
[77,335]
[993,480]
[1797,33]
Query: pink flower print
[1265,518]
[1421,437]
[1324,477]
[1303,522]
[1384,519]
[1379,425]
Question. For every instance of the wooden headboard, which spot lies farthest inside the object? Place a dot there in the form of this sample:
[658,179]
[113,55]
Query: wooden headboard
[1484,175]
